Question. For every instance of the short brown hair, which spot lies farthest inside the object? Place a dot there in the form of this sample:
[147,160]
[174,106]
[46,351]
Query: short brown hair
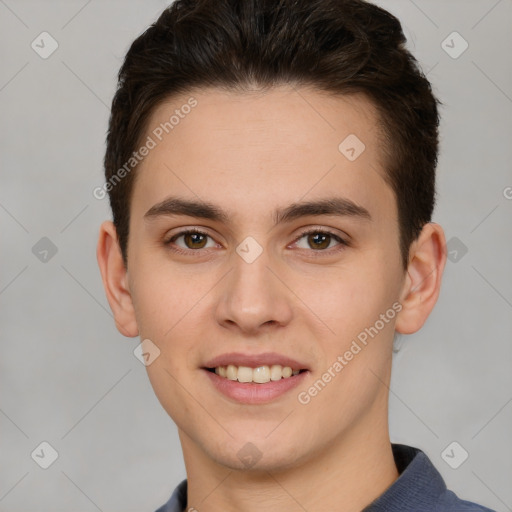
[338,46]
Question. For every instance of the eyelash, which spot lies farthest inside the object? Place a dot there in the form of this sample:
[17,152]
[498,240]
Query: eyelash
[342,243]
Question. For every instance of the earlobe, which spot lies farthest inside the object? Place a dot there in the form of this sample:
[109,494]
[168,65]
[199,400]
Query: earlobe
[422,283]
[115,280]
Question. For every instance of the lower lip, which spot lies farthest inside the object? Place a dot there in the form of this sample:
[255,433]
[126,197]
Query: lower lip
[253,393]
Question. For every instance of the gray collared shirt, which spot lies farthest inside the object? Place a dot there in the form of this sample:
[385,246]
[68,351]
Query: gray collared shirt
[419,488]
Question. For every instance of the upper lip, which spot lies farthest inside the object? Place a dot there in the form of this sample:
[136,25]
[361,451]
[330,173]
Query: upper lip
[255,360]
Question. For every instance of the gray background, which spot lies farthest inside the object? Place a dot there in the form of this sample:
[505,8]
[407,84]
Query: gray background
[69,378]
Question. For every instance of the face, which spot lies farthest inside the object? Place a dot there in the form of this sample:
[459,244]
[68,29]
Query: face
[294,258]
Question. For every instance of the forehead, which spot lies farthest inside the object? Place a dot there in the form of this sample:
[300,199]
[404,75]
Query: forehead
[300,117]
[278,145]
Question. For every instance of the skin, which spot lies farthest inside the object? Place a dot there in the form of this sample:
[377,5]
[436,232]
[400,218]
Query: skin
[250,153]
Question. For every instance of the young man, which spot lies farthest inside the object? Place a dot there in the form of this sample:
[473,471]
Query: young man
[271,171]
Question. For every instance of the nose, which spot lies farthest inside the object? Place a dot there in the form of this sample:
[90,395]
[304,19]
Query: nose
[254,297]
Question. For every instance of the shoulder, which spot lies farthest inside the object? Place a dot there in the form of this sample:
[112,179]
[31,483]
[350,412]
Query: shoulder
[450,502]
[178,500]
[420,487]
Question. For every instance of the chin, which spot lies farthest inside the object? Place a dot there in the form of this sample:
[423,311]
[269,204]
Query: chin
[257,455]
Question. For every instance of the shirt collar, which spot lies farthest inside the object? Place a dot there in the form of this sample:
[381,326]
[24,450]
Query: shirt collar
[419,486]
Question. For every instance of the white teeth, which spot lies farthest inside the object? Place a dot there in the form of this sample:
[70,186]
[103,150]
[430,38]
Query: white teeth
[276,372]
[261,374]
[287,372]
[231,372]
[244,374]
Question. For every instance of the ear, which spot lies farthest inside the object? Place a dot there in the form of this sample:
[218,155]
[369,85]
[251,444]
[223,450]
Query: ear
[115,280]
[427,258]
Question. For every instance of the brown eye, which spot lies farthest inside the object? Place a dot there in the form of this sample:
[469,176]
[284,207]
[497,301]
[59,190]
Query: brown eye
[193,240]
[319,240]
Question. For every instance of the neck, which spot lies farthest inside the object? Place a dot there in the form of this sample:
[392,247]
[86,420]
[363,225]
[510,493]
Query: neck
[347,475]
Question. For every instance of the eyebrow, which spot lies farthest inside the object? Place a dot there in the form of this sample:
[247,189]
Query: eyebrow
[338,206]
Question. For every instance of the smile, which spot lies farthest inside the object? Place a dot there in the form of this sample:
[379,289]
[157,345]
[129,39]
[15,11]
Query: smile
[260,375]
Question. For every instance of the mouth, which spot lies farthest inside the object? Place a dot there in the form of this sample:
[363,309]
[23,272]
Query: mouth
[259,375]
[255,378]
[254,386]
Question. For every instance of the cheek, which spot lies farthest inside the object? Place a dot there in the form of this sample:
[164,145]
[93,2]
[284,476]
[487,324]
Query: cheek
[163,298]
[352,305]
[168,311]
[348,301]
[173,308]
